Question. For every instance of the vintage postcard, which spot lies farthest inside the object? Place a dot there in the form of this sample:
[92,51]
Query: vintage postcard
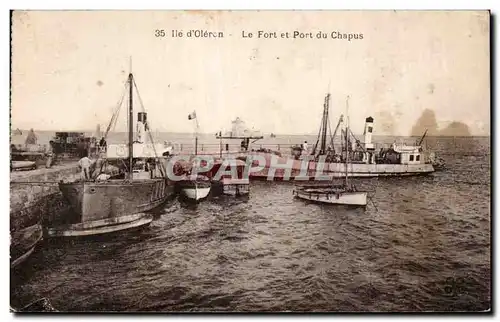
[250,161]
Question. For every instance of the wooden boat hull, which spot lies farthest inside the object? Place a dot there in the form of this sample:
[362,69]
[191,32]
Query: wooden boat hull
[22,165]
[350,198]
[101,226]
[23,243]
[111,204]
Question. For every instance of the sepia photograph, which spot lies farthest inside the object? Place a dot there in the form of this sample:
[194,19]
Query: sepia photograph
[250,161]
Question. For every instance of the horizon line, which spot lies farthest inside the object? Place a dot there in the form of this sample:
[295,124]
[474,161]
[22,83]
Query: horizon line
[268,135]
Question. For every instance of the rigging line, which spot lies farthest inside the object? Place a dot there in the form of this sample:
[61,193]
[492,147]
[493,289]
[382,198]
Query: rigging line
[356,140]
[319,134]
[112,122]
[126,165]
[336,130]
[116,112]
[120,101]
[115,120]
[149,132]
[331,134]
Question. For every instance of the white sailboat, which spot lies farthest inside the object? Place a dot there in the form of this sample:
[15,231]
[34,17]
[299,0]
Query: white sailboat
[196,188]
[343,193]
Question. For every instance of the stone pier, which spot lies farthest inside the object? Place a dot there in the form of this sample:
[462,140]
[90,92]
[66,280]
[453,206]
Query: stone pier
[35,197]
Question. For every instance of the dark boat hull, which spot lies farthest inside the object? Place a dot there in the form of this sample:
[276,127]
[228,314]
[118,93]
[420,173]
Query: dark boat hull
[102,207]
[23,243]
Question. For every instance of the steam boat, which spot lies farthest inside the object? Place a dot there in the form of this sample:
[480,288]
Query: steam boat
[364,159]
[119,199]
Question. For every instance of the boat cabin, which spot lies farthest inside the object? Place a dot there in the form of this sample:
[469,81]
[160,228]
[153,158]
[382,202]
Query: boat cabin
[410,158]
[401,154]
[410,154]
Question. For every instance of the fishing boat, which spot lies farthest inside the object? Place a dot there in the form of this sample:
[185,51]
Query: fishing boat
[343,193]
[111,202]
[367,159]
[194,187]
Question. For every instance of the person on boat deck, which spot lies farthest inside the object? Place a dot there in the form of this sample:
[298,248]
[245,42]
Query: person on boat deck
[244,144]
[85,163]
[304,147]
[150,167]
[102,144]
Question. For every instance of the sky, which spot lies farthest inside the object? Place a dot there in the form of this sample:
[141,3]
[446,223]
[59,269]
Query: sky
[69,69]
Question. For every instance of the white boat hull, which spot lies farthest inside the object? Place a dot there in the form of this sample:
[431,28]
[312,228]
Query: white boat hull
[303,170]
[196,193]
[354,198]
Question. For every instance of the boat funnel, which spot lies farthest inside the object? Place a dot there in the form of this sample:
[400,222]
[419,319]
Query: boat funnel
[142,126]
[368,133]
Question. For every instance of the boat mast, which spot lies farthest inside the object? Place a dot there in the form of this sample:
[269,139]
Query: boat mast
[422,138]
[130,126]
[322,149]
[347,141]
[196,137]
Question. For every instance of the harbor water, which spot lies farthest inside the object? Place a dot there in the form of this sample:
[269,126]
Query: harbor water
[424,245]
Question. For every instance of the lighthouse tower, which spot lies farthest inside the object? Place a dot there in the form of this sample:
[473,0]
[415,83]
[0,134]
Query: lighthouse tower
[368,133]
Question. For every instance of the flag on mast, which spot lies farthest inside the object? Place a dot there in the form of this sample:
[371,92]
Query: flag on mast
[192,116]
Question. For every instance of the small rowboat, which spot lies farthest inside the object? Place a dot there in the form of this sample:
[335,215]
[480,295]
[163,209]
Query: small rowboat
[339,195]
[195,188]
